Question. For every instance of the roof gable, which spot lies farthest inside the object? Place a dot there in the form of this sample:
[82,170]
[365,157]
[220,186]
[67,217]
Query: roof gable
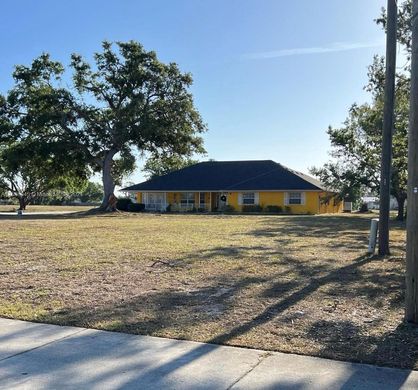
[254,175]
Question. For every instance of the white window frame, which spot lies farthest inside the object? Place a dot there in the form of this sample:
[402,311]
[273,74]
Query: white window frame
[241,198]
[189,198]
[157,206]
[288,198]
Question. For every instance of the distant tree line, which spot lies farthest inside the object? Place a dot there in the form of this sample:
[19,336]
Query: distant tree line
[88,192]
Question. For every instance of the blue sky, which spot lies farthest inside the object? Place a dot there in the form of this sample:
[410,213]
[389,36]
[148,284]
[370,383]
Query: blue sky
[269,75]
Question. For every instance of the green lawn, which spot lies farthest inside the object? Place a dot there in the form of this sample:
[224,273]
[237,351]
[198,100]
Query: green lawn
[289,283]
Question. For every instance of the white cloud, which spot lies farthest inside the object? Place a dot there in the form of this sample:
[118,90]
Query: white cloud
[331,48]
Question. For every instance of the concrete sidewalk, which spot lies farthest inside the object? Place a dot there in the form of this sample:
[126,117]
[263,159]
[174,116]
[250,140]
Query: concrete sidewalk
[38,356]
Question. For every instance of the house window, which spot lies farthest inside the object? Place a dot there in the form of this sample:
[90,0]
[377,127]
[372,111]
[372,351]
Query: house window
[202,198]
[187,198]
[295,198]
[154,200]
[248,198]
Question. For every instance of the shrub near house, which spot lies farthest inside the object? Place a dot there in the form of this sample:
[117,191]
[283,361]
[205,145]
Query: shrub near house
[126,204]
[274,209]
[243,186]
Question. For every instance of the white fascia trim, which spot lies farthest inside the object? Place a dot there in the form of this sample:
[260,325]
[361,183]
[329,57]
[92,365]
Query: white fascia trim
[206,191]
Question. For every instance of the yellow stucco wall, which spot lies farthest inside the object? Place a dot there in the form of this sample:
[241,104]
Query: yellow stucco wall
[330,204]
[314,201]
[273,198]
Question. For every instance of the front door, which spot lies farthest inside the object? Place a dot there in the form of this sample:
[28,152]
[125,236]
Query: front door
[221,200]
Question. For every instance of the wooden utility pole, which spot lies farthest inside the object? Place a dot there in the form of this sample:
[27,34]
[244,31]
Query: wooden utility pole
[411,312]
[388,120]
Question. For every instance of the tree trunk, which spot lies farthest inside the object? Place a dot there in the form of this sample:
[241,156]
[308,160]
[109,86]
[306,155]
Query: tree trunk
[401,208]
[22,203]
[108,182]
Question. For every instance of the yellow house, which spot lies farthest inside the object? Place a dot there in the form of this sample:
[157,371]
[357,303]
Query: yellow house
[236,186]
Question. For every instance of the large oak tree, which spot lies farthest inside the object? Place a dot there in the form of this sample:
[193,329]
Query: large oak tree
[131,102]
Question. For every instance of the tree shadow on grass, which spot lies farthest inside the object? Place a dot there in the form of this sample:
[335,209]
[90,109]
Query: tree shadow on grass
[381,350]
[158,310]
[338,232]
[319,225]
[394,348]
[283,304]
[276,291]
[183,309]
[384,349]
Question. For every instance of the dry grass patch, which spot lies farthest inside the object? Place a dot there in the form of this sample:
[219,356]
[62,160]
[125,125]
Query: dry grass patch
[43,208]
[297,284]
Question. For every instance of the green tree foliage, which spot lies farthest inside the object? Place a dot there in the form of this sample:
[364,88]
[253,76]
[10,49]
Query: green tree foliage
[404,32]
[86,192]
[356,146]
[132,101]
[161,165]
[92,192]
[29,169]
[36,155]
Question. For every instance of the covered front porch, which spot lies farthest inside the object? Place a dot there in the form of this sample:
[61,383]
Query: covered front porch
[182,201]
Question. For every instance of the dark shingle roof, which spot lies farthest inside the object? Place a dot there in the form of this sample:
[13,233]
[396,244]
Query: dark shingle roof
[255,175]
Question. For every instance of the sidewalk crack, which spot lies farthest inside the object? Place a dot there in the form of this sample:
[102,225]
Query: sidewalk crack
[262,357]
